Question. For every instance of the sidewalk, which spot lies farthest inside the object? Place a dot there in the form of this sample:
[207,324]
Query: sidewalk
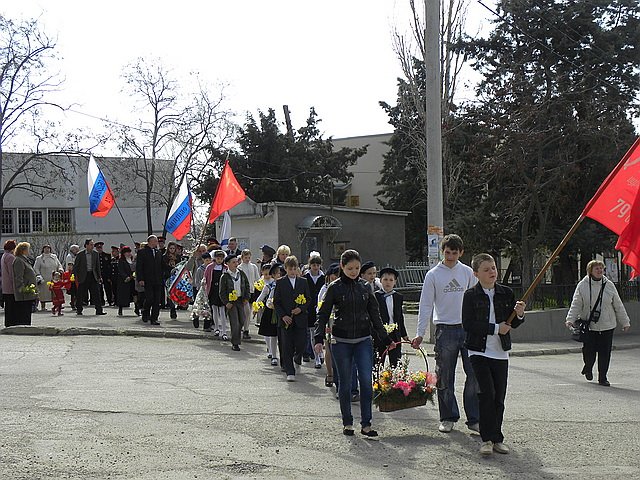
[43,323]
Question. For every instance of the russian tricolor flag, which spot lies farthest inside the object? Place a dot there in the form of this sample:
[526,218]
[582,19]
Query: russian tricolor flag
[101,199]
[179,221]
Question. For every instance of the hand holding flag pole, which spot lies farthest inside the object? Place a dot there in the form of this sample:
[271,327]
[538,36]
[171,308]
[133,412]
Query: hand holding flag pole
[616,205]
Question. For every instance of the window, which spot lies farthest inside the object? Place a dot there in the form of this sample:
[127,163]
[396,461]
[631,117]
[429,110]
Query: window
[36,221]
[7,221]
[353,201]
[59,220]
[24,221]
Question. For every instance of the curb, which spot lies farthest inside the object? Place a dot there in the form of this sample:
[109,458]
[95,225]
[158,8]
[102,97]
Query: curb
[105,331]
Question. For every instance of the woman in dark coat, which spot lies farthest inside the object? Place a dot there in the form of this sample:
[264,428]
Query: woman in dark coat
[126,280]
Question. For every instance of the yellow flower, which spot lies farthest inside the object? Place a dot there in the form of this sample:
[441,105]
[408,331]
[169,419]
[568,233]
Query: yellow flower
[73,278]
[391,327]
[300,300]
[259,284]
[49,284]
[376,386]
[257,306]
[320,304]
[233,296]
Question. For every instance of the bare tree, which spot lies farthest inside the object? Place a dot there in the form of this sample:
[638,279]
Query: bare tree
[26,84]
[183,131]
[409,48]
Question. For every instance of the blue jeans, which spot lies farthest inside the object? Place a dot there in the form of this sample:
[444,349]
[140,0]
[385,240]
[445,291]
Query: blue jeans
[450,344]
[346,356]
[336,376]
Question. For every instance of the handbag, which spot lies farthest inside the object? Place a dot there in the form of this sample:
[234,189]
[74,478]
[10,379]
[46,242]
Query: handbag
[579,330]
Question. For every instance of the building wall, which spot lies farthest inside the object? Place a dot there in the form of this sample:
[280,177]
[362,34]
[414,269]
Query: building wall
[74,198]
[366,172]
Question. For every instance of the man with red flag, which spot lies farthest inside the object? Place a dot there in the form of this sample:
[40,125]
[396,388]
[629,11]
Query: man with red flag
[228,194]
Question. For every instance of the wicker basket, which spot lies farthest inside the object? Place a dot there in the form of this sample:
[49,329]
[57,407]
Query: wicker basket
[387,404]
[393,404]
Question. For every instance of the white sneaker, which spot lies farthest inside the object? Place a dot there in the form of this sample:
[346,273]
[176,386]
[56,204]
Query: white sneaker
[274,362]
[291,378]
[486,448]
[445,427]
[501,448]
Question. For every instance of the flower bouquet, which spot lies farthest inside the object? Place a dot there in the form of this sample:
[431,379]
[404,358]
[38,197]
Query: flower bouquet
[397,388]
[29,289]
[258,284]
[256,306]
[233,296]
[300,299]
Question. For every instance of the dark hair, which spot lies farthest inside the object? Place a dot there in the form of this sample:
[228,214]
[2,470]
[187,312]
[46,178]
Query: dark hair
[9,245]
[348,256]
[46,246]
[315,259]
[265,266]
[479,258]
[453,241]
[88,241]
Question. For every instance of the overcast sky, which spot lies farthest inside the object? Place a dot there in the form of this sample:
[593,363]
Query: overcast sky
[335,55]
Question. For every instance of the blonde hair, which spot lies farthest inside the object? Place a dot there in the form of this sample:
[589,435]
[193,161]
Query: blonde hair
[592,264]
[283,249]
[22,248]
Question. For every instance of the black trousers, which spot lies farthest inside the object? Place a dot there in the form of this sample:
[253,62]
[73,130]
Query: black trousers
[107,291]
[492,390]
[152,298]
[9,309]
[22,312]
[89,285]
[598,343]
[293,343]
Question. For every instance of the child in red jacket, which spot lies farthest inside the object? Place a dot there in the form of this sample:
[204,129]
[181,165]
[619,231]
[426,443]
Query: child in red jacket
[57,295]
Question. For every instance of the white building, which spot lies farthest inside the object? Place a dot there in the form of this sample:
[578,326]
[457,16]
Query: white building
[65,213]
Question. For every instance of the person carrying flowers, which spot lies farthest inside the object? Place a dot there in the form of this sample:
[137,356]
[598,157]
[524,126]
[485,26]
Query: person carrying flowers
[356,314]
[234,292]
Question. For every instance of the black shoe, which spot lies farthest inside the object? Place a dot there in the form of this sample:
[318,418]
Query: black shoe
[137,311]
[196,322]
[245,335]
[588,374]
[348,431]
[78,313]
[604,383]
[369,433]
[154,322]
[306,359]
[235,348]
[145,320]
[101,313]
[173,315]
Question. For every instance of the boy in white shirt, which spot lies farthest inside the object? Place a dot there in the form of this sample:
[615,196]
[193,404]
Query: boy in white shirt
[442,294]
[253,274]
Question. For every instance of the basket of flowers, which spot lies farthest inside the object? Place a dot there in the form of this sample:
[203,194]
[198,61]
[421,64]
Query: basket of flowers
[398,388]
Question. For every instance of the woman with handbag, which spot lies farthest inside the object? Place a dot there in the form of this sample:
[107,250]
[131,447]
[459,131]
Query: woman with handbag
[596,300]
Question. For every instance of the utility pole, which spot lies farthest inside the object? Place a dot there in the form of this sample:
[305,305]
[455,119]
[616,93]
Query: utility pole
[433,130]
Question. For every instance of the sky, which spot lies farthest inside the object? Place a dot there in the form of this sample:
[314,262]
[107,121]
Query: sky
[334,55]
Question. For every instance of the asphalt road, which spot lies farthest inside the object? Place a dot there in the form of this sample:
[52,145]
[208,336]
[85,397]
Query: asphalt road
[143,408]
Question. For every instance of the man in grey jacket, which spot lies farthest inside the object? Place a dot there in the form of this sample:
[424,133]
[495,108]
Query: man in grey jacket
[87,272]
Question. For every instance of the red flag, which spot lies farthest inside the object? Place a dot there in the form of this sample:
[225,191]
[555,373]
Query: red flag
[629,240]
[611,205]
[228,194]
[616,205]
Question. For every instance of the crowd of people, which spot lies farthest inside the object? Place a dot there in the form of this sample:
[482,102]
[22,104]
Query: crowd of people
[338,317]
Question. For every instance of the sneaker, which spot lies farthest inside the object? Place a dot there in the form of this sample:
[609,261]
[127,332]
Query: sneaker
[486,448]
[291,378]
[235,348]
[306,359]
[445,426]
[269,356]
[274,362]
[500,447]
[475,428]
[245,335]
[216,333]
[355,397]
[225,337]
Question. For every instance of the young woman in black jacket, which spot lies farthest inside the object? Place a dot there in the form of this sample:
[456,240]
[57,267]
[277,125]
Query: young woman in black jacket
[355,315]
[485,310]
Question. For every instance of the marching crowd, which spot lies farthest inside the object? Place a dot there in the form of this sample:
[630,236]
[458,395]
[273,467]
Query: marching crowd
[341,316]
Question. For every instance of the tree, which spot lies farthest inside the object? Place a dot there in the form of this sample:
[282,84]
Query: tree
[271,165]
[26,85]
[404,174]
[559,85]
[174,124]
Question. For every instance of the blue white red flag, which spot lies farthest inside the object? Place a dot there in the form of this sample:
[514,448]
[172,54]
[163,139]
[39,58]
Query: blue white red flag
[226,229]
[179,221]
[181,285]
[101,198]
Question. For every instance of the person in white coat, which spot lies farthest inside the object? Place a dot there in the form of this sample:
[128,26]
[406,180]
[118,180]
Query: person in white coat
[46,263]
[596,299]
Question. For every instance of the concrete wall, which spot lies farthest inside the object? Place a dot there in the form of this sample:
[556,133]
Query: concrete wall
[548,325]
[366,172]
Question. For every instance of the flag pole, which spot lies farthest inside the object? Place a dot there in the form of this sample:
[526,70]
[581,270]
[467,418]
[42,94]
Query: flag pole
[123,220]
[567,237]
